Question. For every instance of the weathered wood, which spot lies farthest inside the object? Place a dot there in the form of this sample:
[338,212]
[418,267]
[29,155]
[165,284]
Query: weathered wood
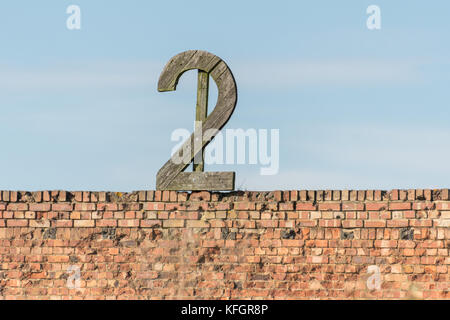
[200,114]
[226,102]
[203,181]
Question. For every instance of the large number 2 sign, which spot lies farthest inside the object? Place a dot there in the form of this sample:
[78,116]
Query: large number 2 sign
[171,175]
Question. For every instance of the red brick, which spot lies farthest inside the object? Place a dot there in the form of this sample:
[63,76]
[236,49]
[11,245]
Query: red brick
[442,206]
[58,259]
[78,196]
[395,194]
[150,223]
[329,206]
[352,206]
[44,223]
[227,253]
[399,206]
[62,196]
[332,223]
[83,223]
[172,223]
[39,207]
[200,196]
[305,206]
[16,207]
[85,206]
[106,223]
[17,223]
[376,206]
[397,223]
[153,206]
[62,207]
[352,224]
[374,223]
[286,206]
[62,223]
[129,223]
[244,206]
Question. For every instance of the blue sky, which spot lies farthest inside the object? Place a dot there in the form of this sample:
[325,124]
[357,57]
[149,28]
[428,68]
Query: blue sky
[356,108]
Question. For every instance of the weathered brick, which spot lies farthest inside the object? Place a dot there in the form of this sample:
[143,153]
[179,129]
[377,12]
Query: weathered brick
[44,223]
[376,206]
[83,223]
[62,207]
[352,224]
[329,206]
[332,223]
[397,223]
[400,206]
[62,223]
[305,206]
[173,223]
[228,245]
[17,207]
[374,224]
[39,207]
[197,224]
[17,223]
[85,206]
[129,223]
[352,206]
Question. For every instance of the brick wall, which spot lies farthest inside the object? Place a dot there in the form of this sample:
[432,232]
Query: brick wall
[281,244]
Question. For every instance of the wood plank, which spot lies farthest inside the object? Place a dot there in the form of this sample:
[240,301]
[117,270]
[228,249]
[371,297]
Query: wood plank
[203,181]
[201,112]
[226,102]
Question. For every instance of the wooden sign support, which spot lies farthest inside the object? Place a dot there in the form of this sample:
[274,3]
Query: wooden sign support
[201,113]
[171,175]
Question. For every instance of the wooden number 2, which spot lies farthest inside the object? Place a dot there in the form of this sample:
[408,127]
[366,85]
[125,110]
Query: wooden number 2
[171,175]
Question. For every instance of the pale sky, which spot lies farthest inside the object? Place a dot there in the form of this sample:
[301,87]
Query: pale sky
[356,108]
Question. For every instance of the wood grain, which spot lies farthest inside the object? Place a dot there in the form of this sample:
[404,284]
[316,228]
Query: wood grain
[201,112]
[203,181]
[226,102]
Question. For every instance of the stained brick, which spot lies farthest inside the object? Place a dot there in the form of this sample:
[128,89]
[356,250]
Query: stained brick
[305,206]
[62,207]
[329,206]
[83,223]
[39,207]
[374,223]
[173,223]
[225,245]
[400,206]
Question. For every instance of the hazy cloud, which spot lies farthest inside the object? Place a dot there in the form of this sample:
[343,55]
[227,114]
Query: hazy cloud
[291,74]
[254,74]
